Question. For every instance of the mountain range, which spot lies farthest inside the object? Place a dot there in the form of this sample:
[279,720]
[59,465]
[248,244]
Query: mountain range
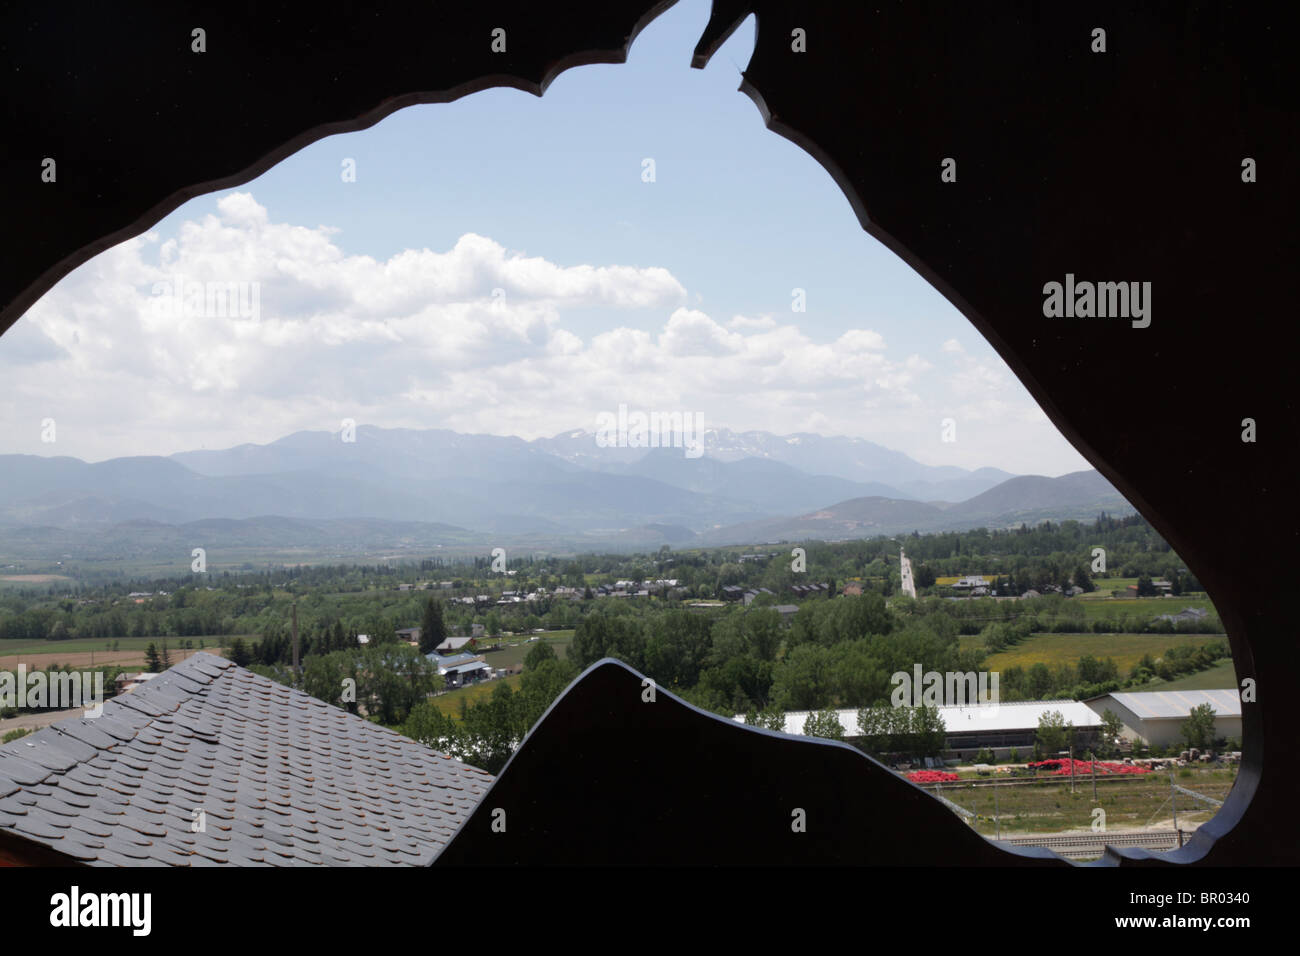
[429,487]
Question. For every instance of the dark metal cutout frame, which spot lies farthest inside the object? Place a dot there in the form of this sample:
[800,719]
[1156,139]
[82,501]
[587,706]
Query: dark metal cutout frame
[1122,165]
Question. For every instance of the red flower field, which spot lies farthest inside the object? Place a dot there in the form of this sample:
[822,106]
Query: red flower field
[931,776]
[1062,767]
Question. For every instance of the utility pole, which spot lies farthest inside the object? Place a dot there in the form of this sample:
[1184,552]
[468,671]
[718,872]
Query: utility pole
[295,644]
[1173,799]
[997,812]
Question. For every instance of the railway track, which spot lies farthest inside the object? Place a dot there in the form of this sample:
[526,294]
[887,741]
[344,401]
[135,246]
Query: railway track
[1080,845]
[1080,780]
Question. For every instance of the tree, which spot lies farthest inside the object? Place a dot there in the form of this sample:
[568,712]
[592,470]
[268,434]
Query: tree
[1040,680]
[929,732]
[541,683]
[325,677]
[491,729]
[1145,588]
[877,725]
[1055,734]
[239,652]
[802,679]
[924,577]
[602,634]
[538,654]
[166,657]
[1198,728]
[392,679]
[676,646]
[770,718]
[431,727]
[1143,670]
[433,628]
[1082,579]
[1111,728]
[824,723]
[916,732]
[153,663]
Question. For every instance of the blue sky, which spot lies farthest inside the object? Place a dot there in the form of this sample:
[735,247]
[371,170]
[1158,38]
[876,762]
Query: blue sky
[376,297]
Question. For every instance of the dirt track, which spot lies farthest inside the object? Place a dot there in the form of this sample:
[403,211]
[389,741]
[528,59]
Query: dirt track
[35,661]
[84,658]
[37,721]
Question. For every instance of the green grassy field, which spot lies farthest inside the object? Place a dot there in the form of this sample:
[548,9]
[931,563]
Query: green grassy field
[1106,585]
[449,703]
[1096,609]
[1130,803]
[1221,676]
[86,645]
[508,656]
[514,653]
[1054,649]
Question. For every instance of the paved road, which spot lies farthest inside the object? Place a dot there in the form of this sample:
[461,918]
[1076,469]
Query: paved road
[909,586]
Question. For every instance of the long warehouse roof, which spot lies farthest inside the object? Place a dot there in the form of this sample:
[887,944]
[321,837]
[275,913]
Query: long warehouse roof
[1175,704]
[1022,715]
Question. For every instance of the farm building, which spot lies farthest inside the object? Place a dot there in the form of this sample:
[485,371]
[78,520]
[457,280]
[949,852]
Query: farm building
[460,669]
[1156,717]
[126,683]
[455,644]
[998,728]
[1005,726]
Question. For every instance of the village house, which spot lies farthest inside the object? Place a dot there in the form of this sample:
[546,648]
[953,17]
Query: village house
[460,669]
[126,683]
[1187,614]
[457,643]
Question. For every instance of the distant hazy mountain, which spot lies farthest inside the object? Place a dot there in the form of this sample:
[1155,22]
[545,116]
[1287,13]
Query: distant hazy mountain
[770,486]
[451,488]
[144,539]
[1029,499]
[853,459]
[401,452]
[857,518]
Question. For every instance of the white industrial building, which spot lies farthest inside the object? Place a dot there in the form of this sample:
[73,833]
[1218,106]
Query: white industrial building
[999,728]
[1156,717]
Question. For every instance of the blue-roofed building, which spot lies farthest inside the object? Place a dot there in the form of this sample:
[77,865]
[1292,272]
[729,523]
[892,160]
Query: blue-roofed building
[460,669]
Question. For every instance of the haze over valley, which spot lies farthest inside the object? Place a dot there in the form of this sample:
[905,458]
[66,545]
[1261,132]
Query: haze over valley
[407,488]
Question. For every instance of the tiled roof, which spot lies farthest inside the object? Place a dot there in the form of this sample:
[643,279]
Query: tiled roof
[282,779]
